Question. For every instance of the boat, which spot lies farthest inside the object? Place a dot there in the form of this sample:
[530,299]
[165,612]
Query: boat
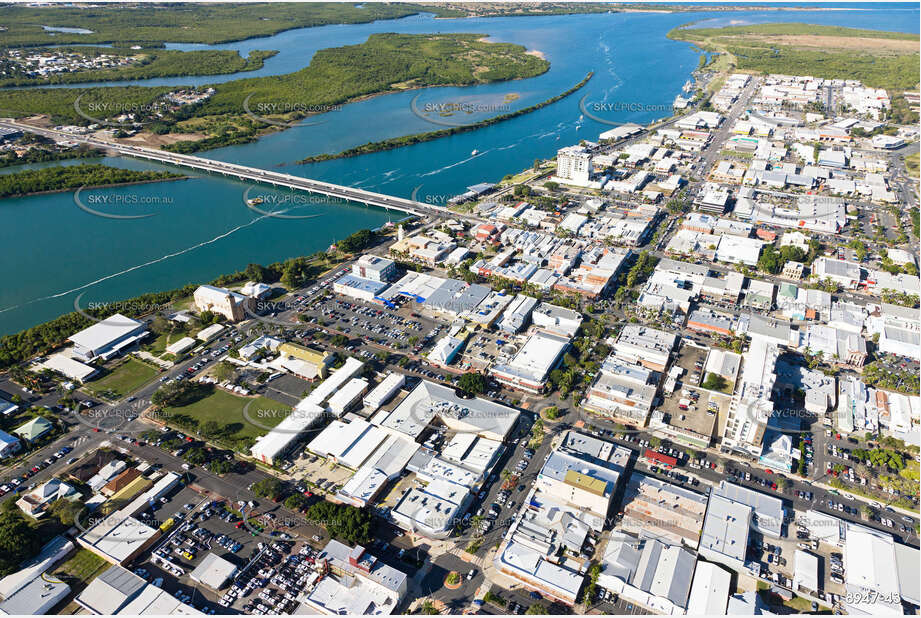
[581,118]
[474,152]
[688,86]
[254,201]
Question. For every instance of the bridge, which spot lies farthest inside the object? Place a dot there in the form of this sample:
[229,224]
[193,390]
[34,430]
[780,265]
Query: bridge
[243,172]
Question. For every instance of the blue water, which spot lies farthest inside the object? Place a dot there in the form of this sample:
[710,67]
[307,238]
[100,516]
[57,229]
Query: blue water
[54,251]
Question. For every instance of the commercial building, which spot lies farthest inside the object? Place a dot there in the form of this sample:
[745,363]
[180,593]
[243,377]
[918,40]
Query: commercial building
[119,591]
[545,547]
[645,346]
[846,274]
[445,350]
[347,396]
[517,314]
[313,361]
[709,590]
[213,571]
[31,591]
[367,290]
[355,583]
[309,412]
[529,368]
[659,509]
[725,532]
[224,302]
[429,401]
[384,391]
[375,268]
[621,391]
[751,405]
[648,572]
[557,320]
[706,320]
[107,338]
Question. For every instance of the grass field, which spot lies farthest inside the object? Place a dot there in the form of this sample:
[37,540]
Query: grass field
[912,163]
[82,566]
[124,379]
[227,411]
[879,59]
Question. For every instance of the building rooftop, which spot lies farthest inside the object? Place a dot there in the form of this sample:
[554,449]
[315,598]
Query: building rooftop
[105,333]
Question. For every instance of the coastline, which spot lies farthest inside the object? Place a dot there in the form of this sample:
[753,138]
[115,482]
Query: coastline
[106,186]
[418,138]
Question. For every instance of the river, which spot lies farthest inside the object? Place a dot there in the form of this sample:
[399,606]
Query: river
[53,251]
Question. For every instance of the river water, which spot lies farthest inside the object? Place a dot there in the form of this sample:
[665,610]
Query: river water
[54,251]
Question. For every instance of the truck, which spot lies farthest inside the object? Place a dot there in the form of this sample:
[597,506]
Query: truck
[684,403]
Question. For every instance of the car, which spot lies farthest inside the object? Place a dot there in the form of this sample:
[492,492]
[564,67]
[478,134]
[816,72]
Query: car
[470,574]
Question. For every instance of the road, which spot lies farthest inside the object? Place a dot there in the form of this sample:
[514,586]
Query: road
[241,171]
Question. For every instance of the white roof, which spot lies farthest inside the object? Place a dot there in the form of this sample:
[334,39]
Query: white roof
[213,571]
[180,346]
[335,381]
[104,333]
[207,333]
[806,570]
[710,590]
[347,394]
[70,367]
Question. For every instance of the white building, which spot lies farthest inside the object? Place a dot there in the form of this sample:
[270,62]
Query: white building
[574,163]
[107,338]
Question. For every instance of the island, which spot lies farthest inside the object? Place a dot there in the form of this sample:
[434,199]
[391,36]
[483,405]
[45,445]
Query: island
[64,178]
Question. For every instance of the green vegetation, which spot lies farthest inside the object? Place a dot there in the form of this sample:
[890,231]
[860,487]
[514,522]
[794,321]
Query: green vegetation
[884,377]
[63,178]
[122,380]
[715,382]
[212,411]
[82,567]
[453,578]
[418,138]
[912,163]
[495,599]
[185,22]
[472,383]
[537,434]
[880,457]
[147,64]
[42,154]
[18,539]
[341,521]
[270,488]
[334,76]
[537,609]
[876,58]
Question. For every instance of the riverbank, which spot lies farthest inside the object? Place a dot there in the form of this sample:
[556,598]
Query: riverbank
[408,140]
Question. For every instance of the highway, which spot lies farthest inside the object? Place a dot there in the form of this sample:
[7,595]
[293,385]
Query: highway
[242,172]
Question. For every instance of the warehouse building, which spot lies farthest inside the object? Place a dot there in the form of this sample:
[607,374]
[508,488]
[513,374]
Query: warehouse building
[108,338]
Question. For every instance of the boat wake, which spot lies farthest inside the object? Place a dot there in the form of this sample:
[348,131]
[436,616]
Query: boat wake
[162,258]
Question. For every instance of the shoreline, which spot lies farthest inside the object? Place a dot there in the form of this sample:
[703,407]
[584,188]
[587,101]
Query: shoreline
[107,186]
[419,138]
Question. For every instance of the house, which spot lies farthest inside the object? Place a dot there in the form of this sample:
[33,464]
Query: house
[34,429]
[9,445]
[34,504]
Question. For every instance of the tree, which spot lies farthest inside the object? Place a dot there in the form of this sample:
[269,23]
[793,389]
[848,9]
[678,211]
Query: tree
[428,608]
[209,429]
[18,540]
[295,502]
[654,442]
[536,610]
[472,383]
[66,511]
[179,393]
[339,340]
[714,382]
[224,371]
[522,190]
[270,488]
